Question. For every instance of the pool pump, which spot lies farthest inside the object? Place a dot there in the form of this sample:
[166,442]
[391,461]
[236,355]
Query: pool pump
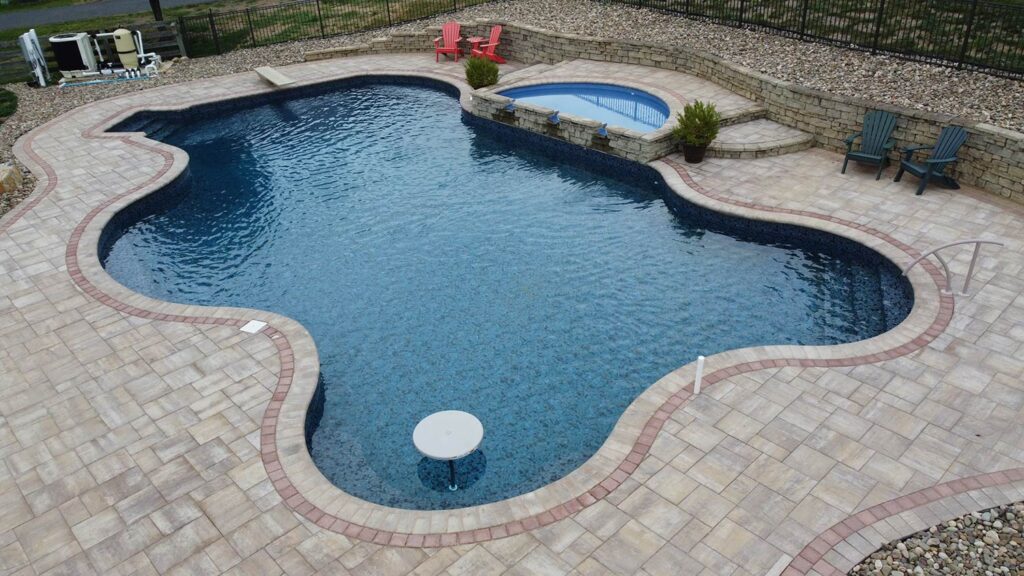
[80,57]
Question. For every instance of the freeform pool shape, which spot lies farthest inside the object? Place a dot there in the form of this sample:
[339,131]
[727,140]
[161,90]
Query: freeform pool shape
[439,265]
[608,103]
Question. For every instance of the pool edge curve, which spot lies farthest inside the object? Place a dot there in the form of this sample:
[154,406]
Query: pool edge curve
[283,450]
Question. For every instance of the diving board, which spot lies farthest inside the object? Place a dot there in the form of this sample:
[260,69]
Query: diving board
[273,76]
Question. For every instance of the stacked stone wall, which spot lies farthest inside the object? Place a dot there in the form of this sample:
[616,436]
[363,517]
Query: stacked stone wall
[992,159]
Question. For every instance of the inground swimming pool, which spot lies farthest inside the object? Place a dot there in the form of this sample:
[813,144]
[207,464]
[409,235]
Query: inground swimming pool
[608,103]
[445,262]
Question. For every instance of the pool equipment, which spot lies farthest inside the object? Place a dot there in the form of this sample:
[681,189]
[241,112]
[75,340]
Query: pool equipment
[74,54]
[448,436]
[127,52]
[79,56]
[33,53]
[132,56]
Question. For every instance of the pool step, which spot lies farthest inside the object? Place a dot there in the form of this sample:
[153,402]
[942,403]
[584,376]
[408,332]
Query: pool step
[758,138]
[524,73]
[161,131]
[137,124]
[748,114]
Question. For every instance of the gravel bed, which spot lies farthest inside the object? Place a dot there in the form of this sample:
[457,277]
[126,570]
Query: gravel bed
[849,72]
[985,543]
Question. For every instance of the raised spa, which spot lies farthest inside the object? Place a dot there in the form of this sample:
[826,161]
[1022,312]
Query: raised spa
[606,103]
[447,263]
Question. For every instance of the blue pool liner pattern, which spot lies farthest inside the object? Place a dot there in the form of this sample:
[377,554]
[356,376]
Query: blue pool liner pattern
[541,286]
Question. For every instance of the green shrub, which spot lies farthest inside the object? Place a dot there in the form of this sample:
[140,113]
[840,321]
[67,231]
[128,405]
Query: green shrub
[8,103]
[697,125]
[481,72]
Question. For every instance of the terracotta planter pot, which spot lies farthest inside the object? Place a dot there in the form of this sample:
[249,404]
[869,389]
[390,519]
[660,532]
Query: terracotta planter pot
[694,154]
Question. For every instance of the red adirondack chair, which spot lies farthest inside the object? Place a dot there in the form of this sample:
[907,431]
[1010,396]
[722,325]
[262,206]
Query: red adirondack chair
[450,36]
[487,50]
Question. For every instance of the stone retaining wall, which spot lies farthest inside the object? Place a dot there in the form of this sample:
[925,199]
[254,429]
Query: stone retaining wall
[992,159]
[622,142]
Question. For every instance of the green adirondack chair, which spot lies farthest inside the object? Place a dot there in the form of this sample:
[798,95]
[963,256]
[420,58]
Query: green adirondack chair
[875,143]
[943,154]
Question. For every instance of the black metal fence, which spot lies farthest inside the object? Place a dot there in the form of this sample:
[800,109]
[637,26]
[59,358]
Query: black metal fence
[962,33]
[219,32]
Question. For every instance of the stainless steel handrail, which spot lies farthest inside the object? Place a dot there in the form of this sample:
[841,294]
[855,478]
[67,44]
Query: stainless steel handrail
[949,275]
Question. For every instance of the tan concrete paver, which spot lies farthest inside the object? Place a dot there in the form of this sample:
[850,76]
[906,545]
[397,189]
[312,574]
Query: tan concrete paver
[132,445]
[629,548]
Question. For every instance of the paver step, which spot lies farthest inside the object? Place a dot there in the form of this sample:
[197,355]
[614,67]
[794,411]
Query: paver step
[524,73]
[741,115]
[758,138]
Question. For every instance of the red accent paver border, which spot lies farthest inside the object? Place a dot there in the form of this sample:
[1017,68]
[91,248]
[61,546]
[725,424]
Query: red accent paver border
[269,452]
[812,557]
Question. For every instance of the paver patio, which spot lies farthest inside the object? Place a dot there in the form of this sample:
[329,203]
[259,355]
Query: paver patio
[147,437]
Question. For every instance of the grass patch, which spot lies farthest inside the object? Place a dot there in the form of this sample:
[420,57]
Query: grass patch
[125,20]
[8,103]
[105,23]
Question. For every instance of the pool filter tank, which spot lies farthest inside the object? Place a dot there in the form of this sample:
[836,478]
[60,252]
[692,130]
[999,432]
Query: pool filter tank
[124,43]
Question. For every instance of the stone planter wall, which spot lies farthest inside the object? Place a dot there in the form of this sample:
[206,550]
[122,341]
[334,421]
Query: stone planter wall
[992,159]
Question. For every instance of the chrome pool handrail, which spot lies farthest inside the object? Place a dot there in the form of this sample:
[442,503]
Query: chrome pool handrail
[949,275]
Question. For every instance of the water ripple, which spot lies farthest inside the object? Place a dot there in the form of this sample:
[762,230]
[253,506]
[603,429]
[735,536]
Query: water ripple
[438,268]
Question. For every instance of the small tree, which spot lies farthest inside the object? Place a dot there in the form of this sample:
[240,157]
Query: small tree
[481,72]
[697,125]
[695,128]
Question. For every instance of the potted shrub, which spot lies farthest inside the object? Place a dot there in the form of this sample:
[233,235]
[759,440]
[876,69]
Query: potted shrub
[696,127]
[481,72]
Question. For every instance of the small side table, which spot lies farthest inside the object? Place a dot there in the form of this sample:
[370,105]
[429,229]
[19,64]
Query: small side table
[448,436]
[474,43]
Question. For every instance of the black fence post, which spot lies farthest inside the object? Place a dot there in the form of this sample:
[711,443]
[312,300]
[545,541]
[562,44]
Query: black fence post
[213,32]
[320,17]
[252,30]
[803,18]
[878,26]
[743,10]
[967,35]
[687,7]
[387,7]
[455,5]
[179,35]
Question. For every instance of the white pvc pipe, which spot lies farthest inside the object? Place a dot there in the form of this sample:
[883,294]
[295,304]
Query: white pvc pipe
[700,374]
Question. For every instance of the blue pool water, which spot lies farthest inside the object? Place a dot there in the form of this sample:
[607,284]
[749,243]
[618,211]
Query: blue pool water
[442,262]
[613,105]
